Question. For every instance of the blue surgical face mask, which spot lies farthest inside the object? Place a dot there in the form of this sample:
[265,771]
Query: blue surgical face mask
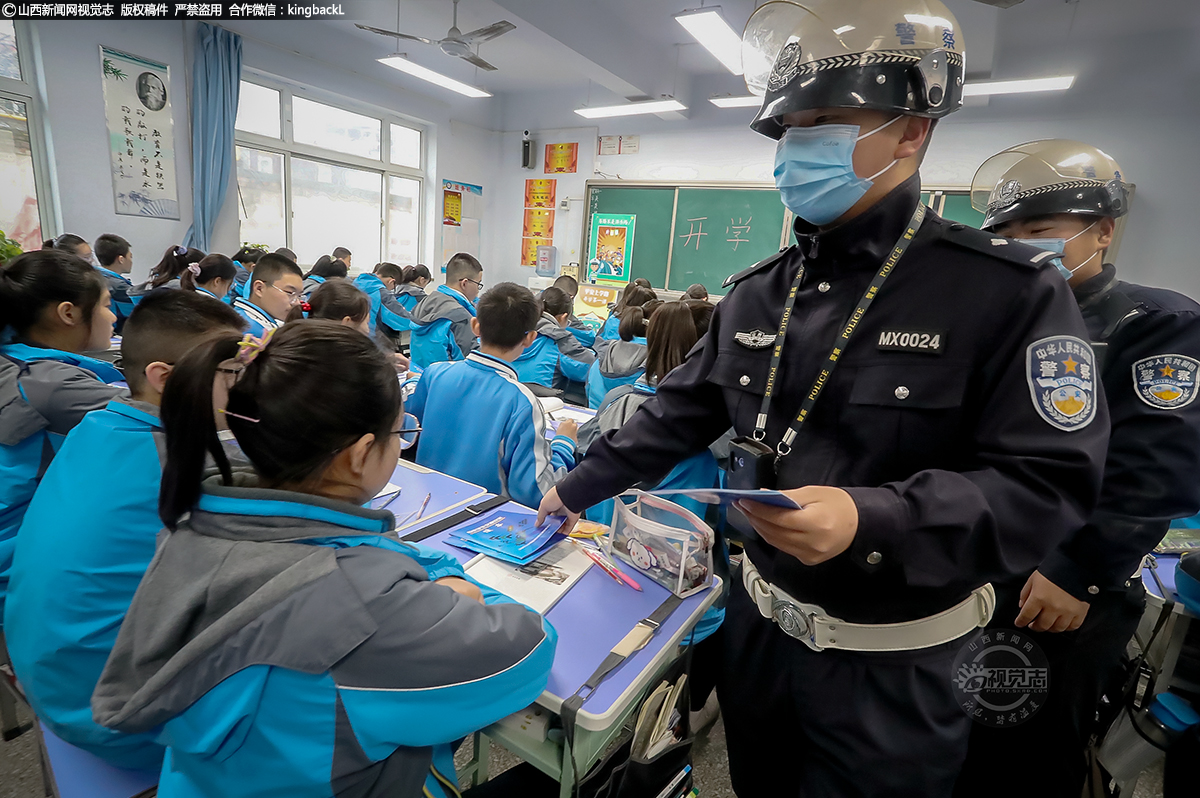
[1059,245]
[814,171]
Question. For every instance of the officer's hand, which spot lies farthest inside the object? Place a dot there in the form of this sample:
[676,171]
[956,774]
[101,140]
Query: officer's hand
[462,587]
[552,505]
[822,529]
[1046,607]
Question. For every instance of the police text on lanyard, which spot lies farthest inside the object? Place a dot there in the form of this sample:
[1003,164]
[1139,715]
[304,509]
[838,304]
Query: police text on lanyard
[760,427]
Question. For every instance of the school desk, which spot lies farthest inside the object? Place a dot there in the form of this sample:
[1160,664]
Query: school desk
[590,619]
[1169,647]
[446,494]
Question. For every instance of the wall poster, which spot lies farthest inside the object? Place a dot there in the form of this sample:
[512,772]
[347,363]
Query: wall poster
[610,247]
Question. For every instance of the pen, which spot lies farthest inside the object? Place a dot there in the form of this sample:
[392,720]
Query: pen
[616,575]
[424,504]
[624,577]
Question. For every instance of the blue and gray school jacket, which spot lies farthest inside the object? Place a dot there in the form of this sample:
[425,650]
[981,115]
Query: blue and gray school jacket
[88,536]
[585,334]
[385,310]
[44,393]
[409,296]
[698,471]
[311,283]
[258,320]
[611,331]
[206,292]
[239,281]
[555,357]
[442,328]
[479,423]
[622,363]
[287,644]
[118,292]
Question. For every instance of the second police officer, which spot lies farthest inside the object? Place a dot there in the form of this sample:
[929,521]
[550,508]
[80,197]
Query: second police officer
[882,371]
[1086,595]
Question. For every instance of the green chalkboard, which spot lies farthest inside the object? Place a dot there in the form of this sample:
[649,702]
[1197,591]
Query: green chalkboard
[653,208]
[957,208]
[720,231]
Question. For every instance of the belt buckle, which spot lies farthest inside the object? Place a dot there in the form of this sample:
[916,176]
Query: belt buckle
[795,622]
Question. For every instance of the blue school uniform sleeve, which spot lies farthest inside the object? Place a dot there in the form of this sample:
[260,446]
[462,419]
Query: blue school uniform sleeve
[534,465]
[437,564]
[467,665]
[463,338]
[415,404]
[392,314]
[574,359]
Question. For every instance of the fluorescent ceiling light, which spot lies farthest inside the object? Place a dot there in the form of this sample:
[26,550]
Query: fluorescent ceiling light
[749,101]
[708,27]
[632,109]
[417,71]
[1017,86]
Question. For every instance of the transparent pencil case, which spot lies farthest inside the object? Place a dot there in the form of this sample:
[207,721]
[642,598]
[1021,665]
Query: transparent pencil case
[664,541]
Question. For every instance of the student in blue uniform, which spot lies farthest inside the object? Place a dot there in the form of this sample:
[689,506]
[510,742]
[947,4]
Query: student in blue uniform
[585,334]
[167,272]
[480,423]
[411,289]
[1084,600]
[343,302]
[342,254]
[442,320]
[115,259]
[244,259]
[90,531]
[325,268]
[387,314]
[214,275]
[55,306]
[283,641]
[623,361]
[275,288]
[556,359]
[634,296]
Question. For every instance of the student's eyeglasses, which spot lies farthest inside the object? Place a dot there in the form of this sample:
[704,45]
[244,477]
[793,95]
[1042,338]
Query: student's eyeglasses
[293,296]
[469,280]
[409,427]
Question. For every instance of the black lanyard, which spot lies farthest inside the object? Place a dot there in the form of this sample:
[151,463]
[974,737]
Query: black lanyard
[760,427]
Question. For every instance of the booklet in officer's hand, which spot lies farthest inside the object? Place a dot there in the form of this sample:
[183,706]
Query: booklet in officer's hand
[727,496]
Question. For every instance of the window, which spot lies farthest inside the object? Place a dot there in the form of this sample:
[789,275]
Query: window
[314,176]
[22,164]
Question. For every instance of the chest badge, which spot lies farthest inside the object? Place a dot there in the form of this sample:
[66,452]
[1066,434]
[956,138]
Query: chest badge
[1166,382]
[1061,371]
[928,342]
[755,339]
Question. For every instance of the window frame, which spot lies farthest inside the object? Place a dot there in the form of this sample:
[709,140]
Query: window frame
[30,91]
[287,146]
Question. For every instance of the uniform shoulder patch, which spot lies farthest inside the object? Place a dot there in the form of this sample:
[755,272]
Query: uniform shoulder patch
[1061,371]
[762,264]
[996,246]
[1166,382]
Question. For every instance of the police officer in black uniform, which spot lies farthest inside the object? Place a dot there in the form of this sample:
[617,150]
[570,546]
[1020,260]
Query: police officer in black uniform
[1086,595]
[884,372]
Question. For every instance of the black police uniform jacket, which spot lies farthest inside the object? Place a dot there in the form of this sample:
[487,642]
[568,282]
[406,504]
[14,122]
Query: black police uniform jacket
[961,471]
[1148,343]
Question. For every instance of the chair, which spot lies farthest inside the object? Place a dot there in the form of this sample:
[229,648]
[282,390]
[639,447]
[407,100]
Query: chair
[70,772]
[10,696]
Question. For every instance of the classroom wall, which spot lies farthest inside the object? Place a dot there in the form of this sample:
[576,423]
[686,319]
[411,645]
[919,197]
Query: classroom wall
[460,145]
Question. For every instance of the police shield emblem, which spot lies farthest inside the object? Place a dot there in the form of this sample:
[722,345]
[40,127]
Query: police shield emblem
[1166,382]
[1061,371]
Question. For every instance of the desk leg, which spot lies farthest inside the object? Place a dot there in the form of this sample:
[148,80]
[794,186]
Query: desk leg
[566,781]
[483,758]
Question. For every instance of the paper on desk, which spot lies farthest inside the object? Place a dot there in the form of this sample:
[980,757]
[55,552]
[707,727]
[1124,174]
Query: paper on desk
[539,584]
[727,496]
[388,494]
[576,414]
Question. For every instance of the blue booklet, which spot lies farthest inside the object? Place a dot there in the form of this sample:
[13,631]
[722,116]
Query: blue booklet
[725,496]
[507,533]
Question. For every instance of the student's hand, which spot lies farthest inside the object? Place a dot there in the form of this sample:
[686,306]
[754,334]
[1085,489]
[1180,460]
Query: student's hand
[402,363]
[822,529]
[462,587]
[1046,607]
[568,428]
[552,505]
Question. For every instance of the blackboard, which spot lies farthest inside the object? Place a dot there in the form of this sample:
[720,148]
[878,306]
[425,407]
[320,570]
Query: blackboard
[693,234]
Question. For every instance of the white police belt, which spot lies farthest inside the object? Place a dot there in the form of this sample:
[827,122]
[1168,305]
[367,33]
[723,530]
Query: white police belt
[810,624]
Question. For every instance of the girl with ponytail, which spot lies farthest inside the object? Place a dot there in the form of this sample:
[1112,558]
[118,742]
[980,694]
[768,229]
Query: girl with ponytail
[213,275]
[280,614]
[167,272]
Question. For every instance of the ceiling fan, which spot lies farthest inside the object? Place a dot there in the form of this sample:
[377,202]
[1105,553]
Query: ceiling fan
[456,43]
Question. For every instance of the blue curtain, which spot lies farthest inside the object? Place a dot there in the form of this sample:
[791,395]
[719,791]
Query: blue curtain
[215,79]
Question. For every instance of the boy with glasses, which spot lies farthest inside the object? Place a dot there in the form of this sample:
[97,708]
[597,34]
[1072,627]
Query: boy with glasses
[275,287]
[443,319]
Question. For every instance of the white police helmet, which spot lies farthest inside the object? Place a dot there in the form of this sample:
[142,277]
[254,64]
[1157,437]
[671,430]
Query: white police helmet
[903,56]
[1050,176]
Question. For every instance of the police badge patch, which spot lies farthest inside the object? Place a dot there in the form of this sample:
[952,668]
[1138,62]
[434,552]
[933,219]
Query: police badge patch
[1062,381]
[755,339]
[1166,382]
